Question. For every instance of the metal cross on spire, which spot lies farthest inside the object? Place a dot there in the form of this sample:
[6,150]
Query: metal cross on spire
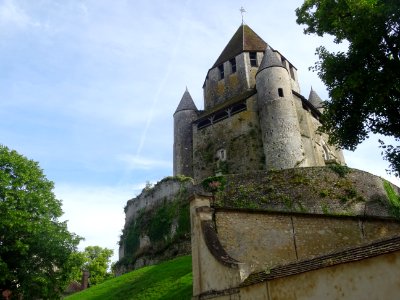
[242,11]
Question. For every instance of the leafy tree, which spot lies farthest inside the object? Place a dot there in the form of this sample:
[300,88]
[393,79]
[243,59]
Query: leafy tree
[97,262]
[35,247]
[364,82]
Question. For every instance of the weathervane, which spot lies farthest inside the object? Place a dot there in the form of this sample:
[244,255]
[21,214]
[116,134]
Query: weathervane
[242,11]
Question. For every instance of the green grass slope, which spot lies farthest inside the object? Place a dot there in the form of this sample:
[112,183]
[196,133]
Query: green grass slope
[168,280]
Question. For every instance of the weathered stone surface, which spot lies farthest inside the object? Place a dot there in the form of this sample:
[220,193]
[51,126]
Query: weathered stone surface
[259,240]
[334,190]
[277,128]
[157,225]
[373,278]
[308,226]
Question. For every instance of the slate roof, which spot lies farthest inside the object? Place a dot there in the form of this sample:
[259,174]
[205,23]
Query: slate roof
[186,103]
[269,60]
[244,40]
[314,99]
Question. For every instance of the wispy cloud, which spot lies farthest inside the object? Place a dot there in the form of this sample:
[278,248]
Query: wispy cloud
[143,163]
[13,15]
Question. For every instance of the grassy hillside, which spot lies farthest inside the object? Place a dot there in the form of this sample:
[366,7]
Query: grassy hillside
[168,280]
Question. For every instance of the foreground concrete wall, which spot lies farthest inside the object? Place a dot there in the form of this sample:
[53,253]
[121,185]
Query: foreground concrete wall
[264,240]
[209,272]
[373,278]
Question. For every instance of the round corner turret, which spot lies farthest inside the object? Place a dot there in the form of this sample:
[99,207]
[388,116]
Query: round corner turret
[280,129]
[316,101]
[269,60]
[186,103]
[184,116]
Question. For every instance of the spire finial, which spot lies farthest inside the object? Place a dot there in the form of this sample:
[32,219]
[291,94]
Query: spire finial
[242,11]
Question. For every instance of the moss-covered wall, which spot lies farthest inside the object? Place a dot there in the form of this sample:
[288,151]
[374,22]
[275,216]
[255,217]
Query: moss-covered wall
[159,230]
[279,224]
[239,135]
[333,190]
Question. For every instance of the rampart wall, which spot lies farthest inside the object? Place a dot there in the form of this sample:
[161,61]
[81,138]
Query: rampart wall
[266,234]
[157,225]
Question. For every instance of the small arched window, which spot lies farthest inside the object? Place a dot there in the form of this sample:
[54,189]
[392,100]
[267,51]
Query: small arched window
[221,154]
[280,92]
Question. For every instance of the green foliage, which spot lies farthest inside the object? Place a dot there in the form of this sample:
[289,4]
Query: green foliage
[324,193]
[392,155]
[325,208]
[37,256]
[223,167]
[342,171]
[394,199]
[97,262]
[147,187]
[160,224]
[169,280]
[214,183]
[157,224]
[364,82]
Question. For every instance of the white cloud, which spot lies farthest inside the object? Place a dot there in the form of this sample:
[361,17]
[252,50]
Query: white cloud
[96,212]
[143,163]
[13,15]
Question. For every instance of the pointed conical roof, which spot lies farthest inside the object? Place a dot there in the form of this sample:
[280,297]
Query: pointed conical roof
[270,59]
[186,103]
[315,100]
[245,39]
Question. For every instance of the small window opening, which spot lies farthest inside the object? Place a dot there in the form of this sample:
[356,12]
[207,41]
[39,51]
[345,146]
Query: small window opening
[203,123]
[253,59]
[233,64]
[221,154]
[280,92]
[220,116]
[221,71]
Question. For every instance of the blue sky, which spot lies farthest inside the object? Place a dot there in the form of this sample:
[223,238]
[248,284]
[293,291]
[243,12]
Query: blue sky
[88,89]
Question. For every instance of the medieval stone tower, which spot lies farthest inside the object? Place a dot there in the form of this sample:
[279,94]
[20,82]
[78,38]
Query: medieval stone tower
[265,234]
[254,116]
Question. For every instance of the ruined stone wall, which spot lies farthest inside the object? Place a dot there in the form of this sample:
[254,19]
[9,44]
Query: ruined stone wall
[165,190]
[238,135]
[157,225]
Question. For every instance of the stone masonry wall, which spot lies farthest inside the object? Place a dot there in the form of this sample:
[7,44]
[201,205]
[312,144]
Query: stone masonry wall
[267,235]
[157,225]
[239,135]
[268,240]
